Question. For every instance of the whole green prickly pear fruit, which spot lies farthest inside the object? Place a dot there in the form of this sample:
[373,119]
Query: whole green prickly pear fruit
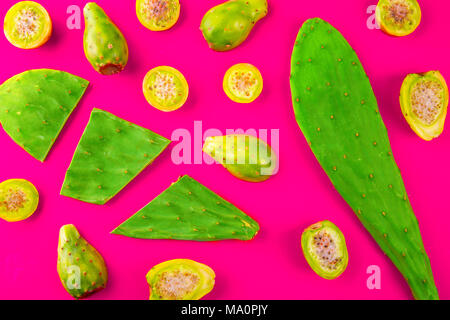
[104,45]
[80,266]
[227,25]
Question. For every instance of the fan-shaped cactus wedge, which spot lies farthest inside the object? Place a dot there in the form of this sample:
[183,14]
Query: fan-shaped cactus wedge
[324,247]
[227,25]
[338,114]
[180,279]
[35,105]
[110,154]
[424,102]
[80,266]
[244,156]
[187,210]
[104,45]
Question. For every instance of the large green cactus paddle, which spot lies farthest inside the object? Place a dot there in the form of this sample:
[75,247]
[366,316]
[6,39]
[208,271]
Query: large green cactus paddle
[187,210]
[337,111]
[35,105]
[111,153]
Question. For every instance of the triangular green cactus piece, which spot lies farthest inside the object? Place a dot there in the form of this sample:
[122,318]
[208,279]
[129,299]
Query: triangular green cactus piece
[111,153]
[187,210]
[35,105]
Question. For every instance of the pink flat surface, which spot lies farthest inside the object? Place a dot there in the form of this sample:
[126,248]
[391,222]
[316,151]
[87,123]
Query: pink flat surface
[272,265]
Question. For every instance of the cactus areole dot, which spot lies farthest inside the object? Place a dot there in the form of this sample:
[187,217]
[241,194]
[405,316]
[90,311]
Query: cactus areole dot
[27,25]
[180,279]
[398,17]
[18,200]
[158,15]
[243,83]
[424,101]
[165,88]
[325,250]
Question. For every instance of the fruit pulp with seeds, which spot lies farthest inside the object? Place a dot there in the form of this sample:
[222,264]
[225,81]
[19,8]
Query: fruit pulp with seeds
[180,279]
[398,17]
[27,25]
[165,88]
[18,200]
[424,101]
[243,83]
[325,250]
[158,15]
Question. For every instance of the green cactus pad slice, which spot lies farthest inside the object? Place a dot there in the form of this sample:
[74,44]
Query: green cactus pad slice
[227,25]
[18,200]
[35,105]
[424,103]
[110,154]
[180,279]
[187,210]
[158,15]
[324,247]
[398,17]
[80,266]
[337,112]
[244,156]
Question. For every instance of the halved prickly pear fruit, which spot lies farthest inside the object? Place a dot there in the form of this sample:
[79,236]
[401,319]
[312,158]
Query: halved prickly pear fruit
[337,111]
[165,88]
[111,153]
[80,266]
[398,17]
[158,15]
[424,102]
[18,200]
[227,25]
[104,45]
[325,250]
[27,25]
[243,83]
[244,156]
[180,279]
[188,210]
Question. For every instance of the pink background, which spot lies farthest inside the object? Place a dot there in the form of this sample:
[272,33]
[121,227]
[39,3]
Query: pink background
[272,265]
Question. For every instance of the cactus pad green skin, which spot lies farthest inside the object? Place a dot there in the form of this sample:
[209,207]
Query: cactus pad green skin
[111,153]
[80,266]
[180,279]
[337,112]
[35,105]
[104,45]
[424,102]
[187,210]
[227,25]
[324,247]
[244,156]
